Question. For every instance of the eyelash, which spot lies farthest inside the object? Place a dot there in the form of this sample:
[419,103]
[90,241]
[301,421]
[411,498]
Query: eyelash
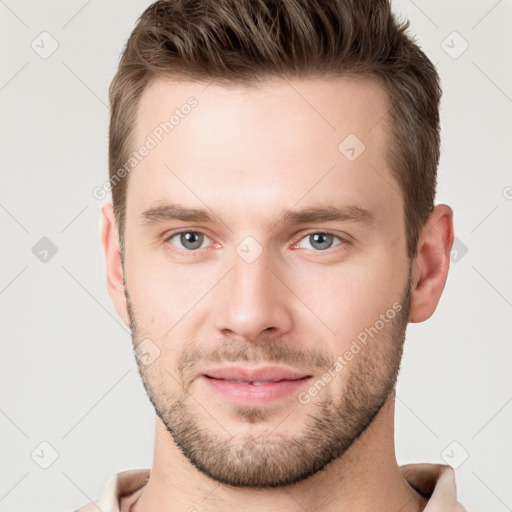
[340,246]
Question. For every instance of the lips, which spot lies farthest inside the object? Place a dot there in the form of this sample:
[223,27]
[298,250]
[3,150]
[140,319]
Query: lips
[256,387]
[257,376]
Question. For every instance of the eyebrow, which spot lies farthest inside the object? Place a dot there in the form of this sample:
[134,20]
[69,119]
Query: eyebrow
[349,213]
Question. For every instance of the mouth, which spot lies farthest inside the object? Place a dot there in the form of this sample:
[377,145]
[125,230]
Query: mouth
[264,374]
[256,382]
[255,387]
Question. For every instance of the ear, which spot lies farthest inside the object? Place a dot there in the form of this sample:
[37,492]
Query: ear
[114,268]
[431,264]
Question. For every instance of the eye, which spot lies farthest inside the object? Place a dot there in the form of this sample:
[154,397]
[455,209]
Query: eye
[188,240]
[319,241]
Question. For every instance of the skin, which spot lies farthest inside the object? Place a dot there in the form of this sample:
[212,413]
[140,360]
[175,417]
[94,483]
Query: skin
[247,156]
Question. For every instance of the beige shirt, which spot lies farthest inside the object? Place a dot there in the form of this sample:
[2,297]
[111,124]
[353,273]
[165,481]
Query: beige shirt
[434,481]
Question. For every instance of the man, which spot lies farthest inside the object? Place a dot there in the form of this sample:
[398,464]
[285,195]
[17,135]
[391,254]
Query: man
[272,232]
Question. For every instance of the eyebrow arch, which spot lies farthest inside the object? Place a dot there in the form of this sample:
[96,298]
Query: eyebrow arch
[349,213]
[174,212]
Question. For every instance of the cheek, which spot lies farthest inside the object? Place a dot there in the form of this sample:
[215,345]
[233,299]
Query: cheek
[349,297]
[163,293]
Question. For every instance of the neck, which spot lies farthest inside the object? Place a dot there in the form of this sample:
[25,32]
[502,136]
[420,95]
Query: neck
[366,477]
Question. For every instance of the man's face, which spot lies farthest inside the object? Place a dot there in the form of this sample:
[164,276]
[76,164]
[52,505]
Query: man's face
[255,286]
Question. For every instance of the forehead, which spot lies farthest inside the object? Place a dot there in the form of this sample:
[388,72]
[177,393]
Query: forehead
[274,144]
[327,109]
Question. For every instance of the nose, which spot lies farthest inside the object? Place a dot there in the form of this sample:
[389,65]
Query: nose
[253,299]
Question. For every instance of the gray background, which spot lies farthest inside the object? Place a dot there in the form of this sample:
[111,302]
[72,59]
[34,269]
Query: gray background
[68,377]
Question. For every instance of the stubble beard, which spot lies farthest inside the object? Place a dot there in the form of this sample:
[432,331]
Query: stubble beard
[269,457]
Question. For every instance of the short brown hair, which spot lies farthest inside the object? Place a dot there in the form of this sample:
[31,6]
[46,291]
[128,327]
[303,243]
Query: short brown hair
[242,42]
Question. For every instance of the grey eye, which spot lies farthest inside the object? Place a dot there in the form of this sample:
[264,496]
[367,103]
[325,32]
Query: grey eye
[190,240]
[319,241]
